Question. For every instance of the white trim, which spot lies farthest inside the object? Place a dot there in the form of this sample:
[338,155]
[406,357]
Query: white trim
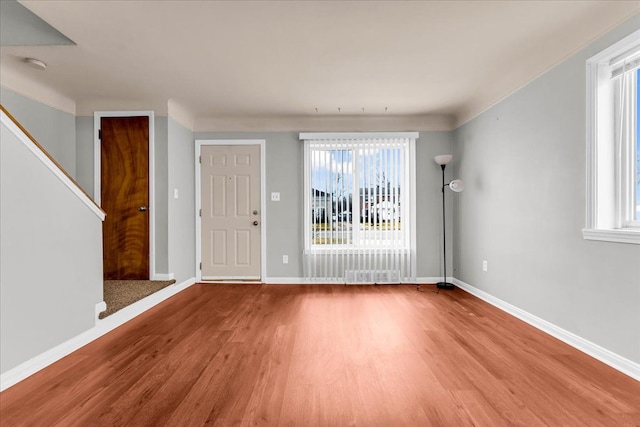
[604,210]
[103,326]
[285,281]
[227,278]
[230,282]
[197,218]
[325,122]
[97,177]
[162,276]
[627,235]
[309,136]
[303,281]
[263,198]
[180,114]
[55,169]
[100,307]
[413,184]
[608,357]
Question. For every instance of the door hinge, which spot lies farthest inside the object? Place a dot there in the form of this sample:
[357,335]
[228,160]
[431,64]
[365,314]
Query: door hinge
[200,158]
[200,212]
[200,266]
[99,133]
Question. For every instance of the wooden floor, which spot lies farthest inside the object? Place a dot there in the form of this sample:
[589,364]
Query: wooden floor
[293,355]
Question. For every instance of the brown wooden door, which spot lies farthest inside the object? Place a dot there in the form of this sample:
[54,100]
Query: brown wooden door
[125,196]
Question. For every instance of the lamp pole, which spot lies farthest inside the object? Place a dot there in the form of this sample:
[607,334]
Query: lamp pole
[444,284]
[457,186]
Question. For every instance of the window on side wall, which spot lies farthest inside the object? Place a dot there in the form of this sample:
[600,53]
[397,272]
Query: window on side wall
[613,143]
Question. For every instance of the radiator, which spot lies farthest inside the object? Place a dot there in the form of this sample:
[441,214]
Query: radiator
[353,277]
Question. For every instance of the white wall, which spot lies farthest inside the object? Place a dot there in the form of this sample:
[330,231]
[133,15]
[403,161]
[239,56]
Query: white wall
[523,209]
[51,258]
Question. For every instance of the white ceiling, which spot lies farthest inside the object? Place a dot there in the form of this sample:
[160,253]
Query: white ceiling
[270,63]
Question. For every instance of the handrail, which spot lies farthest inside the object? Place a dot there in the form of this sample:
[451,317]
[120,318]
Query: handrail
[30,142]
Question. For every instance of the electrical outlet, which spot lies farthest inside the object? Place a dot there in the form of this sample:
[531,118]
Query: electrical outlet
[485,266]
[275,197]
[285,259]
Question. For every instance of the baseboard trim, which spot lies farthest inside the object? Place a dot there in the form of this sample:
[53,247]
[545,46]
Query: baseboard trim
[100,307]
[608,357]
[285,281]
[103,326]
[303,281]
[162,276]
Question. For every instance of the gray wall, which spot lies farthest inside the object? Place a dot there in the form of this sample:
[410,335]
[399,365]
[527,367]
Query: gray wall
[161,182]
[429,204]
[85,178]
[181,212]
[284,164]
[283,174]
[84,153]
[523,209]
[54,130]
[51,265]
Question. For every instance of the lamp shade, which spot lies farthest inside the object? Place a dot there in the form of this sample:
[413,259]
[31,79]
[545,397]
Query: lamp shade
[443,159]
[456,185]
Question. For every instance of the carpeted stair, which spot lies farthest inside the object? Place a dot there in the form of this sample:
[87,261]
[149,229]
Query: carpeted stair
[121,293]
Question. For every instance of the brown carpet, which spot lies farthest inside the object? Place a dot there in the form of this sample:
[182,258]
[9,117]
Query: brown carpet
[121,293]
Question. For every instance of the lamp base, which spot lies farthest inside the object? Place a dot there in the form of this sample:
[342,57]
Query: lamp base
[445,285]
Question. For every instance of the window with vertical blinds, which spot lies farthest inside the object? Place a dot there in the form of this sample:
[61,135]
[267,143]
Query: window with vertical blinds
[359,195]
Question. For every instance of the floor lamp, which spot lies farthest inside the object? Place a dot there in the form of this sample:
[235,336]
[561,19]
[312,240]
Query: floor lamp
[457,186]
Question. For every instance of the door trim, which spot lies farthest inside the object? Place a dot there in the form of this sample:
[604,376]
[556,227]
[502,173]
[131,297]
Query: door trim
[263,200]
[97,185]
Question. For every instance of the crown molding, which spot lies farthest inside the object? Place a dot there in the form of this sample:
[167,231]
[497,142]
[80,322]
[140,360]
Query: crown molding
[333,123]
[17,82]
[180,114]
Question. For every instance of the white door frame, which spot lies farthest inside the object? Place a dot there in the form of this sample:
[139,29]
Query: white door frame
[263,202]
[97,190]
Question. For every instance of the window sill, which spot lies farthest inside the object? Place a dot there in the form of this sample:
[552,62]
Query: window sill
[626,235]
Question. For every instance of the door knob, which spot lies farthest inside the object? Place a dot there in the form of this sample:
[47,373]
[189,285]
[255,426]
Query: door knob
[255,222]
[142,208]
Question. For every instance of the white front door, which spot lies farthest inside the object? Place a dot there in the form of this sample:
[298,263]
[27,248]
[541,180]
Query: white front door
[230,196]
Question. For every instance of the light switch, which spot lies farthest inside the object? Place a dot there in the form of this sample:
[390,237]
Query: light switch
[275,197]
[175,193]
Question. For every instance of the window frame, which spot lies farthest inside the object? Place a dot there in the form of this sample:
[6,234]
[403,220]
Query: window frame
[353,138]
[609,214]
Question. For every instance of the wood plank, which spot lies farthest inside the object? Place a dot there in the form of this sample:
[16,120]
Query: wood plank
[323,355]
